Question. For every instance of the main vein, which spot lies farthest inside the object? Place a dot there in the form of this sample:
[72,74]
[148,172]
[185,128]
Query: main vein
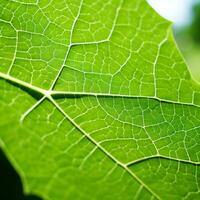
[124,166]
[48,93]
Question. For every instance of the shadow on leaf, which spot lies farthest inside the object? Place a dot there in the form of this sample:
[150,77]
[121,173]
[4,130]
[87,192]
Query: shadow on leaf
[10,183]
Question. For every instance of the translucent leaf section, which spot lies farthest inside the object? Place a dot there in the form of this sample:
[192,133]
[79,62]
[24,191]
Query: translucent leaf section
[96,101]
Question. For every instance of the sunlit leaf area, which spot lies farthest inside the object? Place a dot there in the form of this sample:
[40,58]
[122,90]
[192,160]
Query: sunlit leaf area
[99,100]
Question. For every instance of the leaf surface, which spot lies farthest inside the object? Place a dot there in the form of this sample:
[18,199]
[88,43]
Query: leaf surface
[96,101]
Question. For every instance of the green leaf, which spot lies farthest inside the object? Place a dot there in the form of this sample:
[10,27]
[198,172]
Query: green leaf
[96,101]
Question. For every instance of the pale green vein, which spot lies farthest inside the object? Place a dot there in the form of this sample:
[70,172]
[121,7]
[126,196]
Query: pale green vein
[103,149]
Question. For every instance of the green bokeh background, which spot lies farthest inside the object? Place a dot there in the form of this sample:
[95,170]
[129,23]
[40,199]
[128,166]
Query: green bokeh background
[188,39]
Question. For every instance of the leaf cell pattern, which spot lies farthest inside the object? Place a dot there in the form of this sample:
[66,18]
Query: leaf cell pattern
[96,101]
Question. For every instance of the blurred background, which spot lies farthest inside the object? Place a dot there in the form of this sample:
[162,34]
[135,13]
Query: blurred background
[186,17]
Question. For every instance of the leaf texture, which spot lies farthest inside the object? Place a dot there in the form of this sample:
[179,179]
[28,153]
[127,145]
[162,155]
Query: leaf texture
[96,101]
